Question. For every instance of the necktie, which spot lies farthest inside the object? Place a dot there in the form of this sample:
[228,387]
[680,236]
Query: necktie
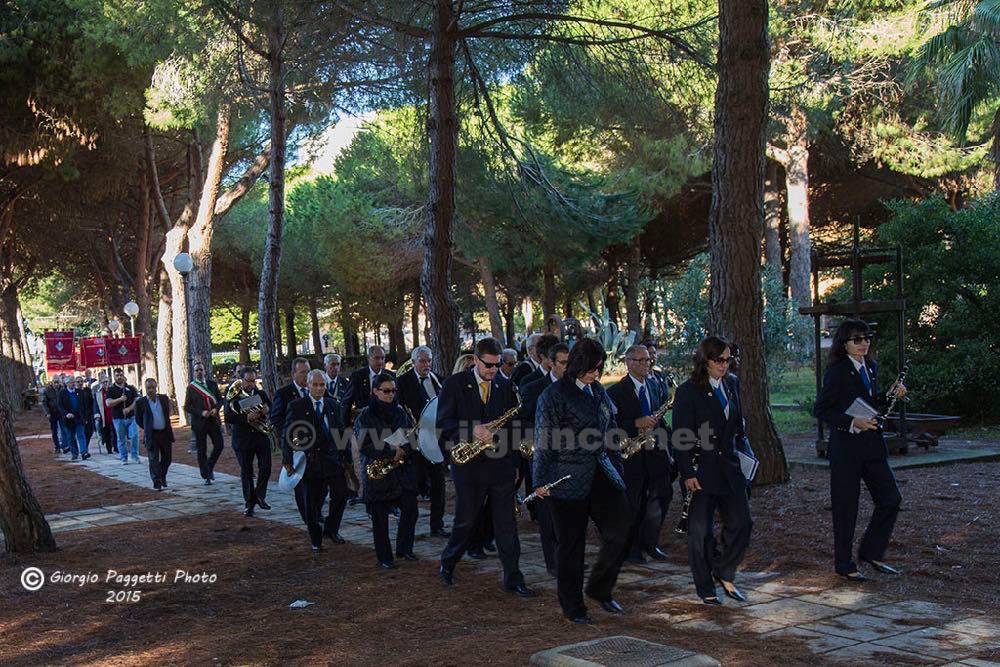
[864,378]
[322,420]
[484,391]
[723,401]
[429,387]
[588,390]
[644,402]
[302,392]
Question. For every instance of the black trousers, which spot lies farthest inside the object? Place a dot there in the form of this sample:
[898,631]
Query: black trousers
[160,451]
[706,562]
[482,531]
[54,425]
[404,531]
[547,533]
[430,476]
[470,494]
[336,487]
[309,494]
[246,455]
[109,437]
[209,429]
[609,509]
[648,502]
[845,487]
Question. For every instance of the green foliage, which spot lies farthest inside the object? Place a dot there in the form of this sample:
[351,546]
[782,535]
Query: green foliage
[787,335]
[614,340]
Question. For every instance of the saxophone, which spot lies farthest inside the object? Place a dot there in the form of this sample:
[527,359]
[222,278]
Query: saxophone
[646,438]
[380,468]
[464,452]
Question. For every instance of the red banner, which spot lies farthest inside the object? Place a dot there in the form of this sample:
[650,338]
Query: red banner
[69,366]
[123,351]
[59,347]
[94,352]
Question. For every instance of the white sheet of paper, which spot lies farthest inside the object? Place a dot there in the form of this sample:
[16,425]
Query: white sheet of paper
[397,439]
[862,409]
[748,465]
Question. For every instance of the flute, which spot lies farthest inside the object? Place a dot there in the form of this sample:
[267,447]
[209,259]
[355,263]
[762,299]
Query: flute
[534,494]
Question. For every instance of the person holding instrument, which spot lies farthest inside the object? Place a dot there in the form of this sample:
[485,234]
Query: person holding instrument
[857,452]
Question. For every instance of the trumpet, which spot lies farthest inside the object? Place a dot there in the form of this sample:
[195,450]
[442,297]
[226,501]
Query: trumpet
[646,438]
[380,468]
[464,452]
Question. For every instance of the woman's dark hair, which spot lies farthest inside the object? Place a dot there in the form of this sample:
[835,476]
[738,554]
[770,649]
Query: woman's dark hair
[380,378]
[585,356]
[848,329]
[711,347]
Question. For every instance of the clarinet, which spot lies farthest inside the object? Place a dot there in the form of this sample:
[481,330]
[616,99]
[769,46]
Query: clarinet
[892,396]
[682,524]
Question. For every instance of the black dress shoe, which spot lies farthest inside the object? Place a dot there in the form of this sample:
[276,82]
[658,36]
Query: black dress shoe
[316,548]
[478,554]
[441,532]
[262,504]
[879,566]
[612,606]
[735,594]
[712,600]
[248,511]
[656,553]
[583,618]
[163,483]
[447,576]
[521,590]
[386,565]
[854,576]
[635,559]
[410,556]
[157,486]
[85,456]
[335,538]
[208,481]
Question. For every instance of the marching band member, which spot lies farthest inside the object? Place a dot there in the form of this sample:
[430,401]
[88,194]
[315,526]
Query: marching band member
[362,380]
[708,406]
[542,347]
[379,420]
[857,451]
[595,489]
[314,424]
[467,402]
[529,363]
[249,443]
[647,472]
[336,384]
[202,401]
[416,388]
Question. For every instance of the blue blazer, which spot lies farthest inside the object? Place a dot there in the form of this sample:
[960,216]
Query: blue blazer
[695,406]
[565,408]
[841,385]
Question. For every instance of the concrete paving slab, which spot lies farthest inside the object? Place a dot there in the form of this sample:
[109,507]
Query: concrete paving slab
[937,642]
[865,653]
[816,641]
[845,598]
[789,611]
[858,626]
[918,610]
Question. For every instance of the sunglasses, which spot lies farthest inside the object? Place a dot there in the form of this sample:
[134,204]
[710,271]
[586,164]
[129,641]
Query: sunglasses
[723,360]
[490,365]
[857,340]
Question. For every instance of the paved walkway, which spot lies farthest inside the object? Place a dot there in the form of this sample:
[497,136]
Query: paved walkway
[842,623]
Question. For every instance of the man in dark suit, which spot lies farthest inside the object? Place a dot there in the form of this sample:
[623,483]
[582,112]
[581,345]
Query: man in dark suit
[542,364]
[152,414]
[87,394]
[360,385]
[416,388]
[469,400]
[529,363]
[50,406]
[647,472]
[314,425]
[558,354]
[74,410]
[250,444]
[292,391]
[337,384]
[203,401]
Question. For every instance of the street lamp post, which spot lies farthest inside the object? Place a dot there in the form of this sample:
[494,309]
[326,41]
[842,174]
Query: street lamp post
[184,264]
[132,309]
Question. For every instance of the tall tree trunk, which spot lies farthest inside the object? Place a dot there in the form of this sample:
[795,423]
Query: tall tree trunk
[349,327]
[736,218]
[200,245]
[267,305]
[800,247]
[568,303]
[592,305]
[244,335]
[548,289]
[772,219]
[317,335]
[143,265]
[442,130]
[492,305]
[29,367]
[510,309]
[649,307]
[291,340]
[278,337]
[164,338]
[394,327]
[633,316]
[611,300]
[415,318]
[528,311]
[25,529]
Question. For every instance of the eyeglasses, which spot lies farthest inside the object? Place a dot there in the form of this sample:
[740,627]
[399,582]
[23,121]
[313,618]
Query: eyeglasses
[497,364]
[386,391]
[638,360]
[378,358]
[723,360]
[857,340]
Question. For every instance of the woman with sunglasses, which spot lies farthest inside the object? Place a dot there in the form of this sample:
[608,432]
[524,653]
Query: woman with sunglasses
[708,427]
[572,422]
[857,452]
[379,420]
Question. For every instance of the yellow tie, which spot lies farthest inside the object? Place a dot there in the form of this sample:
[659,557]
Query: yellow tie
[484,391]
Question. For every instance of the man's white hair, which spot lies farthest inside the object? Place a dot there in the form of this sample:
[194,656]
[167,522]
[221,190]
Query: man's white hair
[509,353]
[330,357]
[421,349]
[315,373]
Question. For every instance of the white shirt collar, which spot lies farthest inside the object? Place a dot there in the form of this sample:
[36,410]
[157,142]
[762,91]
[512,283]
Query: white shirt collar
[300,389]
[857,364]
[716,383]
[582,386]
[504,376]
[638,385]
[552,377]
[479,379]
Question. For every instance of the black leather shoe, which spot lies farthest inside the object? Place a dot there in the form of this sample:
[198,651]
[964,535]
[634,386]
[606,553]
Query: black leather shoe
[157,487]
[478,554]
[248,511]
[208,481]
[656,553]
[712,600]
[410,557]
[879,566]
[262,504]
[734,594]
[316,548]
[447,576]
[612,606]
[386,566]
[335,538]
[163,483]
[855,576]
[85,456]
[583,618]
[441,533]
[635,559]
[521,590]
